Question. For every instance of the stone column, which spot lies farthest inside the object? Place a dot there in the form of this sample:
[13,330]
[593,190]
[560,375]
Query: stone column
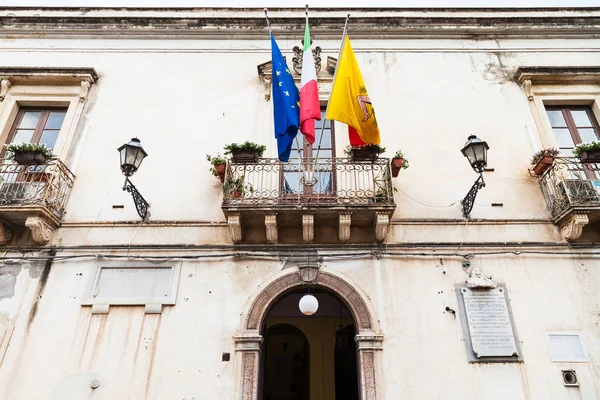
[249,346]
[368,345]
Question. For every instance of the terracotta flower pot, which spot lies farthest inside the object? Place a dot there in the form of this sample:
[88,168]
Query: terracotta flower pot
[30,157]
[542,165]
[590,156]
[396,166]
[220,171]
[244,157]
[236,194]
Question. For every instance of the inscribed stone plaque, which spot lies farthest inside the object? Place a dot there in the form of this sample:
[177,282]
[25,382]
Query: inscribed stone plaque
[489,323]
[143,283]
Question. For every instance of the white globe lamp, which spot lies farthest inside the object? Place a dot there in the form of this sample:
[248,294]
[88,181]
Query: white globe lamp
[308,304]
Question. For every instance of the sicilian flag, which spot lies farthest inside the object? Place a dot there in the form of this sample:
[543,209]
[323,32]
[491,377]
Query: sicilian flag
[310,108]
[350,102]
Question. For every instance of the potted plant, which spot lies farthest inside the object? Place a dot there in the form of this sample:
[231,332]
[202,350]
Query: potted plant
[217,168]
[543,159]
[588,152]
[247,152]
[235,187]
[399,161]
[368,152]
[29,153]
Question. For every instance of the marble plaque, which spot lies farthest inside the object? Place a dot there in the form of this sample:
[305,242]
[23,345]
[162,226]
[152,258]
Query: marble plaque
[489,323]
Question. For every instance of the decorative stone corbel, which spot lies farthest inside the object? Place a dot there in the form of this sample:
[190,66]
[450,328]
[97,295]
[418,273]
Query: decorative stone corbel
[5,234]
[572,228]
[478,280]
[85,88]
[381,222]
[41,230]
[308,272]
[235,227]
[527,88]
[271,225]
[344,226]
[369,341]
[308,228]
[265,71]
[5,84]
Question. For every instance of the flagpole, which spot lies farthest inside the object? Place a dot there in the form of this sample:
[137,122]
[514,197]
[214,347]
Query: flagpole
[333,83]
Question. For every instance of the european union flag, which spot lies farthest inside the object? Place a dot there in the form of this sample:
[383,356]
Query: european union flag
[286,100]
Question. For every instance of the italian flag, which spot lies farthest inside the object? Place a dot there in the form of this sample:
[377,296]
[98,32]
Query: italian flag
[310,108]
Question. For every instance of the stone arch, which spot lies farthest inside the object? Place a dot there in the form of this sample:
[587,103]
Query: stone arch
[248,343]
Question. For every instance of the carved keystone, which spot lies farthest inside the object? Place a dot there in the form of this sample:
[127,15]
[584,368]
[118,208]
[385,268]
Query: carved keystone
[41,230]
[308,228]
[344,226]
[572,228]
[271,225]
[382,220]
[235,227]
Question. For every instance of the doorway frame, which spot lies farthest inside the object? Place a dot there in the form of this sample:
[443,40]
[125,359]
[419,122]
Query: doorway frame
[248,343]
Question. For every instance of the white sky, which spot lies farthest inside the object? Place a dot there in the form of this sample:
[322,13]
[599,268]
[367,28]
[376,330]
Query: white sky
[301,3]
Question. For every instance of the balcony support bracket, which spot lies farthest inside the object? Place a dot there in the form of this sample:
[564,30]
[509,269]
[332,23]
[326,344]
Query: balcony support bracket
[572,228]
[382,220]
[234,223]
[41,229]
[344,227]
[271,225]
[308,228]
[5,234]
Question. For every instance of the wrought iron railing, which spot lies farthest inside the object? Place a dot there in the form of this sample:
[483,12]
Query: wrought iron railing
[326,181]
[570,183]
[46,185]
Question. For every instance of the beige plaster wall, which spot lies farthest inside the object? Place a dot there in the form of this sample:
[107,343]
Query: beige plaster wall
[177,354]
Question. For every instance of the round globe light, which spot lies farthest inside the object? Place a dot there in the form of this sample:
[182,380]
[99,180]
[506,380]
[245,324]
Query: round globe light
[308,304]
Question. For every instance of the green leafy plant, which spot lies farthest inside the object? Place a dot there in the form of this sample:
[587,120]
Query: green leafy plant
[544,153]
[214,161]
[382,194]
[373,147]
[591,146]
[399,154]
[246,146]
[233,185]
[25,147]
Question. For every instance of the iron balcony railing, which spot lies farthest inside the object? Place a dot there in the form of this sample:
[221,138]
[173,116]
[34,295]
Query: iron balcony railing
[570,184]
[326,181]
[45,185]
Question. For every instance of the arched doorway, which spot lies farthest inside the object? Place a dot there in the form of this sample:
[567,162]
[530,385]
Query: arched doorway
[249,341]
[309,357]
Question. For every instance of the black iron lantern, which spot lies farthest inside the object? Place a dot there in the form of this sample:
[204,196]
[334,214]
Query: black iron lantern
[132,155]
[476,152]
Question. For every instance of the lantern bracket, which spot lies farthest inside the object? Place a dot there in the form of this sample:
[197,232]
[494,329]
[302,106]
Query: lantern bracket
[469,200]
[141,205]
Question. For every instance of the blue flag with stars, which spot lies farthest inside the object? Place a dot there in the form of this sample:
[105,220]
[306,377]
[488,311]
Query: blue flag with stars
[286,100]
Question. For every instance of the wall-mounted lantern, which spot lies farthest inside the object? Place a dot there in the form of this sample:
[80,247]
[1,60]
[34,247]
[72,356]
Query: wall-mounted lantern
[476,152]
[132,154]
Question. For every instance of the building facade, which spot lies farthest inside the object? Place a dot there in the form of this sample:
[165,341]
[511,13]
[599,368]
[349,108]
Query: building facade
[199,300]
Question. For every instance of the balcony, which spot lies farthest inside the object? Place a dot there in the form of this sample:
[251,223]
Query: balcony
[33,196]
[330,200]
[572,192]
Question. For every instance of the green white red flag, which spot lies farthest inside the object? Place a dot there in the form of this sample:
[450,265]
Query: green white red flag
[310,108]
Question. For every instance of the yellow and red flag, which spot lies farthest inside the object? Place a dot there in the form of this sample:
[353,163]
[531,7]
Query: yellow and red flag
[349,102]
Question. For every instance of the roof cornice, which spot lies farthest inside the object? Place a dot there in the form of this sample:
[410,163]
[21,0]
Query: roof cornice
[289,23]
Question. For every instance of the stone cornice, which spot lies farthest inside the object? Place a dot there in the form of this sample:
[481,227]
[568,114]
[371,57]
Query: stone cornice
[549,75]
[249,24]
[49,75]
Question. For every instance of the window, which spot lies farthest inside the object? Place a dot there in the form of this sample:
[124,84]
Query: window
[323,179]
[572,125]
[37,125]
